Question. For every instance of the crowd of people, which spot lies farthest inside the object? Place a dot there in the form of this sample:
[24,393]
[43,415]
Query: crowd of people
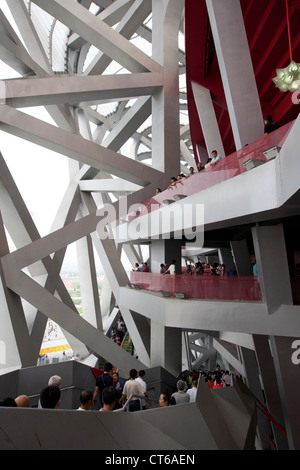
[269,126]
[49,396]
[215,158]
[187,384]
[141,267]
[198,268]
[118,333]
[111,393]
[215,269]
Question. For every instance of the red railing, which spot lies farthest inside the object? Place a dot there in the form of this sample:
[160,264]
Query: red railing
[225,169]
[200,287]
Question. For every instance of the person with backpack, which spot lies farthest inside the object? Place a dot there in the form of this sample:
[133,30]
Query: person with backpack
[103,381]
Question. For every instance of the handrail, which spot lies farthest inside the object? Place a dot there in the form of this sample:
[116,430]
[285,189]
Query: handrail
[126,404]
[62,389]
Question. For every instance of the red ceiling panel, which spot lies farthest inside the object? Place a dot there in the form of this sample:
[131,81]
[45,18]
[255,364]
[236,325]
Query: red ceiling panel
[267,33]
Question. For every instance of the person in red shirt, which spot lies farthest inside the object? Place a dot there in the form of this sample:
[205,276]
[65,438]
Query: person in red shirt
[209,382]
[219,383]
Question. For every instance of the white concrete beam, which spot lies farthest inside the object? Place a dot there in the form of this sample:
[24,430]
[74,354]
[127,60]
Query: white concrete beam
[231,316]
[77,89]
[167,16]
[96,32]
[128,124]
[228,29]
[108,185]
[208,120]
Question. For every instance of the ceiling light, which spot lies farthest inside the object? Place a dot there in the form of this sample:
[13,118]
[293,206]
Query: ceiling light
[288,79]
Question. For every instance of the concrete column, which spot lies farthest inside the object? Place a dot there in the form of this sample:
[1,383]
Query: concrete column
[272,266]
[202,154]
[165,103]
[285,352]
[236,70]
[270,386]
[166,348]
[88,282]
[208,119]
[225,256]
[164,251]
[241,258]
[252,380]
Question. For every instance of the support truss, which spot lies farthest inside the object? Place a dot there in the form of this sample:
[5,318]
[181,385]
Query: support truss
[102,102]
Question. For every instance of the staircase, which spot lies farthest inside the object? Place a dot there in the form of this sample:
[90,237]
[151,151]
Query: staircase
[127,344]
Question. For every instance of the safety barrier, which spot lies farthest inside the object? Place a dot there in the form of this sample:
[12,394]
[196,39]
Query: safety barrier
[227,168]
[200,287]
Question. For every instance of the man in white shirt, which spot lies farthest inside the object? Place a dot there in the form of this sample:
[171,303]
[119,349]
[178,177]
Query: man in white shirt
[133,387]
[171,268]
[192,392]
[86,400]
[141,380]
[227,379]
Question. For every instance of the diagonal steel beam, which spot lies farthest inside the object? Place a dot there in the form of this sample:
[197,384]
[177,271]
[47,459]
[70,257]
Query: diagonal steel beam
[29,34]
[75,147]
[127,26]
[70,321]
[96,32]
[15,309]
[22,229]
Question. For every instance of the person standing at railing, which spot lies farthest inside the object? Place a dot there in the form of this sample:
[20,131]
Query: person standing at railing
[199,269]
[173,182]
[270,126]
[254,268]
[200,167]
[215,159]
[189,270]
[162,268]
[137,267]
[145,268]
[171,269]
